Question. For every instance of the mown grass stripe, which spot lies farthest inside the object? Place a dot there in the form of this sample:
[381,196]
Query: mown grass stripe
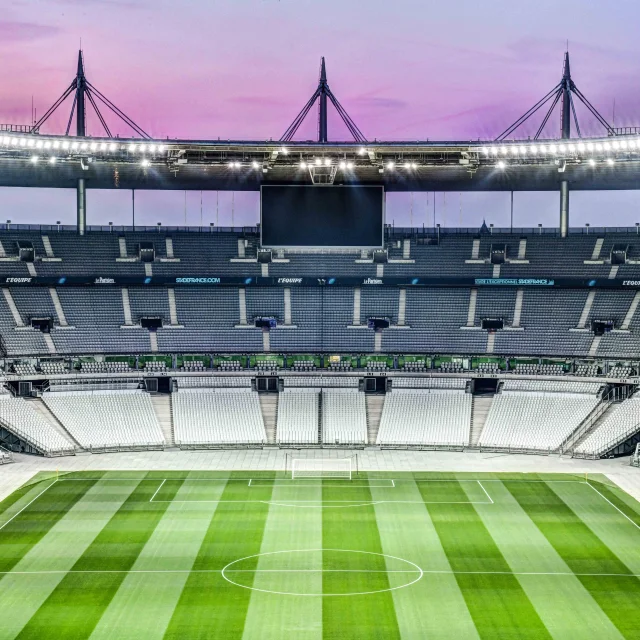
[433,607]
[144,603]
[498,604]
[271,616]
[23,593]
[583,552]
[354,528]
[572,612]
[76,605]
[27,528]
[209,606]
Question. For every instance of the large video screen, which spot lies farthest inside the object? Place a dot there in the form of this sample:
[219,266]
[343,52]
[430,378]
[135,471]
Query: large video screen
[315,216]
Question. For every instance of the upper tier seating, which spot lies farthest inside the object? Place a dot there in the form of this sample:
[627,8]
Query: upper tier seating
[344,417]
[26,423]
[98,419]
[622,422]
[209,316]
[209,417]
[420,417]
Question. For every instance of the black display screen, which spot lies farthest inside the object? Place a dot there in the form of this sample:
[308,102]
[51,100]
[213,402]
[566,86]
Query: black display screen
[317,216]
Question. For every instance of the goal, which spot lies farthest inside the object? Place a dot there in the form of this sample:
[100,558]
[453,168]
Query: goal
[321,468]
[635,460]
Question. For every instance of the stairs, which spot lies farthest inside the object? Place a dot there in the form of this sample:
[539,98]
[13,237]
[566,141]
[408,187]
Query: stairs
[480,406]
[62,320]
[471,313]
[48,340]
[320,402]
[582,323]
[153,340]
[375,404]
[269,408]
[164,413]
[38,405]
[17,318]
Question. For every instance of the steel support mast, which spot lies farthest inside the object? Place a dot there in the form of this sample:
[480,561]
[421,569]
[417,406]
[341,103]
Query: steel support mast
[565,135]
[81,131]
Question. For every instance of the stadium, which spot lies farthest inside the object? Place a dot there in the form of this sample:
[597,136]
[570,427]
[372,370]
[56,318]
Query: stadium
[323,425]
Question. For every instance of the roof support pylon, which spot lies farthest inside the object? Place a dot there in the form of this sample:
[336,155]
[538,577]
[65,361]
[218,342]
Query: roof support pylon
[323,94]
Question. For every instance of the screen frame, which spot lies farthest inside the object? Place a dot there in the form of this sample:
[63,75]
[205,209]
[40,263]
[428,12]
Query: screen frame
[339,247]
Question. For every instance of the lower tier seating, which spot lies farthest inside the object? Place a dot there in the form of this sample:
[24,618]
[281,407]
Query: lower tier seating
[298,417]
[426,418]
[205,416]
[533,420]
[344,417]
[99,419]
[25,422]
[621,423]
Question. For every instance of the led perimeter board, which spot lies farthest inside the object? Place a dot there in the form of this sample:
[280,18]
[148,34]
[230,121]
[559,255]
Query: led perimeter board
[321,216]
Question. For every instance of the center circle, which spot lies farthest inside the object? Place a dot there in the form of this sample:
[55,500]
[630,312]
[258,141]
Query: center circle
[322,572]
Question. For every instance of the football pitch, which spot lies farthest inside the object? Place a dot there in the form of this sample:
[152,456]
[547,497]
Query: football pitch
[249,555]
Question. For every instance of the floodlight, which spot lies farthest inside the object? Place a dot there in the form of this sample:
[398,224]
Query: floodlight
[34,159]
[343,165]
[361,151]
[349,165]
[65,144]
[390,165]
[303,165]
[113,146]
[52,160]
[501,164]
[145,162]
[592,162]
[255,165]
[318,162]
[327,162]
[610,162]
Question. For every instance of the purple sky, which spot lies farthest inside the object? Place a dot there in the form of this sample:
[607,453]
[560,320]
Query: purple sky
[405,69]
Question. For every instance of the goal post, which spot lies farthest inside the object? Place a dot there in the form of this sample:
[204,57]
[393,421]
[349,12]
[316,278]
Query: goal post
[322,468]
[635,459]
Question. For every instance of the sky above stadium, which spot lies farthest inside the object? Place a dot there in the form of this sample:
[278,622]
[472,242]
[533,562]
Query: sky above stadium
[242,69]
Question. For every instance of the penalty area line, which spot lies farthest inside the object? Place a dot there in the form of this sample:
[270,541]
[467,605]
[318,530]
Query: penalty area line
[15,515]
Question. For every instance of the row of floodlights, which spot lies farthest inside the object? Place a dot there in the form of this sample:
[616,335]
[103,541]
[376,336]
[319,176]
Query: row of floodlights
[501,164]
[344,165]
[561,148]
[81,146]
[35,159]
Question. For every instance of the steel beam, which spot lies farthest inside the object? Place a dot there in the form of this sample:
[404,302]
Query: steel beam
[81,207]
[564,209]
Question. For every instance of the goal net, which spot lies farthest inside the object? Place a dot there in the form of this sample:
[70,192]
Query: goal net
[321,468]
[635,460]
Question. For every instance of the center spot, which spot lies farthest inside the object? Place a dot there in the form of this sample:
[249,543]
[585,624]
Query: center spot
[322,572]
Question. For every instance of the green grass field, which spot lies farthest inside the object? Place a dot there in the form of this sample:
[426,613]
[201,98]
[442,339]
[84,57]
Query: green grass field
[257,555]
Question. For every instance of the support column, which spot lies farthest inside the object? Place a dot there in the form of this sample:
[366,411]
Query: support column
[81,208]
[564,209]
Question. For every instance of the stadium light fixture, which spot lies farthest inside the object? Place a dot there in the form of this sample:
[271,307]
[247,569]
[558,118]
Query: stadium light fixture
[318,162]
[34,159]
[494,151]
[303,165]
[361,151]
[390,165]
[160,148]
[343,165]
[93,146]
[503,151]
[132,148]
[284,151]
[592,162]
[327,162]
[350,165]
[84,146]
[23,142]
[145,162]
[414,165]
[103,146]
[52,160]
[407,165]
[501,164]
[47,144]
[65,145]
[610,162]
[255,165]
[113,146]
[56,144]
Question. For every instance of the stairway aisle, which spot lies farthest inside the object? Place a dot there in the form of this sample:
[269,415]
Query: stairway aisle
[375,405]
[162,407]
[480,407]
[269,408]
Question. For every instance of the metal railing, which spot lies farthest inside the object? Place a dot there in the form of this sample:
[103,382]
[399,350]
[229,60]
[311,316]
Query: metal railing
[6,456]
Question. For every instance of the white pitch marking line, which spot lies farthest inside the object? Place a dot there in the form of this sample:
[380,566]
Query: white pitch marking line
[485,491]
[156,493]
[249,482]
[424,571]
[26,505]
[635,524]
